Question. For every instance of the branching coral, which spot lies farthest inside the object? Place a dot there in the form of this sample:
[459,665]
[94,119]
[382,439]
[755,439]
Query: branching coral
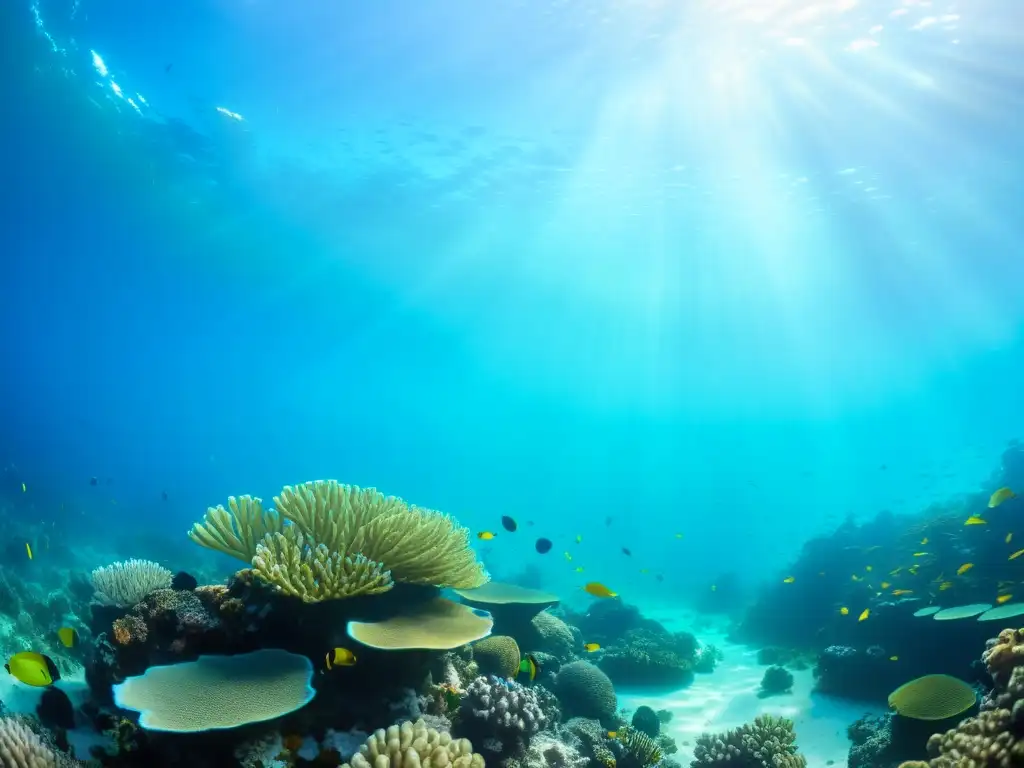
[326,540]
[126,582]
[768,742]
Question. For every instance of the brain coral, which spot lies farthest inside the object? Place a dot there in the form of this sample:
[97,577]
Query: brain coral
[497,655]
[414,745]
[585,691]
[552,635]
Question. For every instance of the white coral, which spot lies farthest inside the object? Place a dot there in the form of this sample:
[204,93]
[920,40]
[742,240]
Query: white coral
[126,582]
[20,748]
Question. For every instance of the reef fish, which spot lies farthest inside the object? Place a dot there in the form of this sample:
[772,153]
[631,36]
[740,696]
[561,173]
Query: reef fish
[184,581]
[599,590]
[68,637]
[485,535]
[1000,496]
[844,611]
[33,668]
[975,520]
[28,550]
[1016,554]
[508,524]
[964,569]
[591,647]
[1004,598]
[864,614]
[789,580]
[529,667]
[543,546]
[339,657]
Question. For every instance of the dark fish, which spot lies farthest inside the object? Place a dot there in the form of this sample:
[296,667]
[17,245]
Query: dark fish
[167,69]
[163,495]
[625,551]
[55,709]
[659,577]
[543,546]
[508,523]
[94,481]
[184,581]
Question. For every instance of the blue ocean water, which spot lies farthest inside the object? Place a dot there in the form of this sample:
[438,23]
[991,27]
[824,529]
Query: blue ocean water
[620,270]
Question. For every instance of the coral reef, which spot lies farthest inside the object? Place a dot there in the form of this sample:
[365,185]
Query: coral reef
[646,656]
[550,634]
[585,691]
[866,675]
[500,716]
[706,658]
[776,680]
[411,745]
[126,582]
[548,751]
[646,721]
[497,655]
[20,747]
[768,742]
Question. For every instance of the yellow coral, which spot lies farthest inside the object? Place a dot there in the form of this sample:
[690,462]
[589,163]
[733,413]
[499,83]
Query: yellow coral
[412,746]
[236,533]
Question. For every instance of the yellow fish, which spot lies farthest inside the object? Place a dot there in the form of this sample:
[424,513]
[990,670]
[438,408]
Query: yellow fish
[599,590]
[964,569]
[1003,598]
[28,550]
[894,658]
[529,667]
[855,577]
[868,568]
[33,668]
[485,535]
[898,592]
[896,571]
[591,647]
[339,657]
[579,569]
[975,520]
[567,556]
[24,489]
[789,580]
[68,637]
[924,541]
[864,614]
[921,554]
[912,570]
[1009,537]
[844,611]
[886,585]
[1016,554]
[997,498]
[714,587]
[645,570]
[613,734]
[945,585]
[579,538]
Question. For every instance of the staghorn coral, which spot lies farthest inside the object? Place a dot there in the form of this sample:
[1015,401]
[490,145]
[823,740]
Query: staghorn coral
[768,742]
[21,748]
[497,655]
[412,745]
[126,582]
[586,691]
[342,541]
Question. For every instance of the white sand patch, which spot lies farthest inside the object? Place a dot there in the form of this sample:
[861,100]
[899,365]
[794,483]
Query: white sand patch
[728,699]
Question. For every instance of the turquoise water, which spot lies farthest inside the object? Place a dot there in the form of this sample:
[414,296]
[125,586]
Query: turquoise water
[617,269]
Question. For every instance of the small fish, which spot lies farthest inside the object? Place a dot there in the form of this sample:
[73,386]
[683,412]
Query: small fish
[886,585]
[896,571]
[24,488]
[864,614]
[924,541]
[183,581]
[912,570]
[844,611]
[1009,537]
[68,637]
[94,481]
[28,550]
[921,554]
[33,668]
[164,496]
[1016,554]
[508,524]
[1003,599]
[1000,496]
[543,546]
[579,569]
[485,535]
[898,592]
[645,570]
[945,585]
[855,577]
[714,587]
[529,667]
[679,535]
[789,580]
[339,657]
[567,555]
[579,538]
[975,520]
[613,734]
[626,552]
[868,568]
[597,589]
[591,647]
[964,569]
[894,658]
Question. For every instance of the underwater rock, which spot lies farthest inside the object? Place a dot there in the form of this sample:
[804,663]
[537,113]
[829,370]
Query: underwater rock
[866,675]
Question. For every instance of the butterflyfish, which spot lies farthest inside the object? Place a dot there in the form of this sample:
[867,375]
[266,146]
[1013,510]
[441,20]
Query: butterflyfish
[864,614]
[33,668]
[975,520]
[613,734]
[886,585]
[964,569]
[997,498]
[924,541]
[597,589]
[529,667]
[485,535]
[339,657]
[68,637]
[591,647]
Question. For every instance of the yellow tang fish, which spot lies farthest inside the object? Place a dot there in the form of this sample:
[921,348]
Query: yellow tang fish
[613,734]
[898,592]
[1009,537]
[975,520]
[945,585]
[68,637]
[789,580]
[864,614]
[599,590]
[886,585]
[964,569]
[33,669]
[485,535]
[997,498]
[1016,554]
[28,550]
[844,611]
[339,657]
[591,647]
[1004,598]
